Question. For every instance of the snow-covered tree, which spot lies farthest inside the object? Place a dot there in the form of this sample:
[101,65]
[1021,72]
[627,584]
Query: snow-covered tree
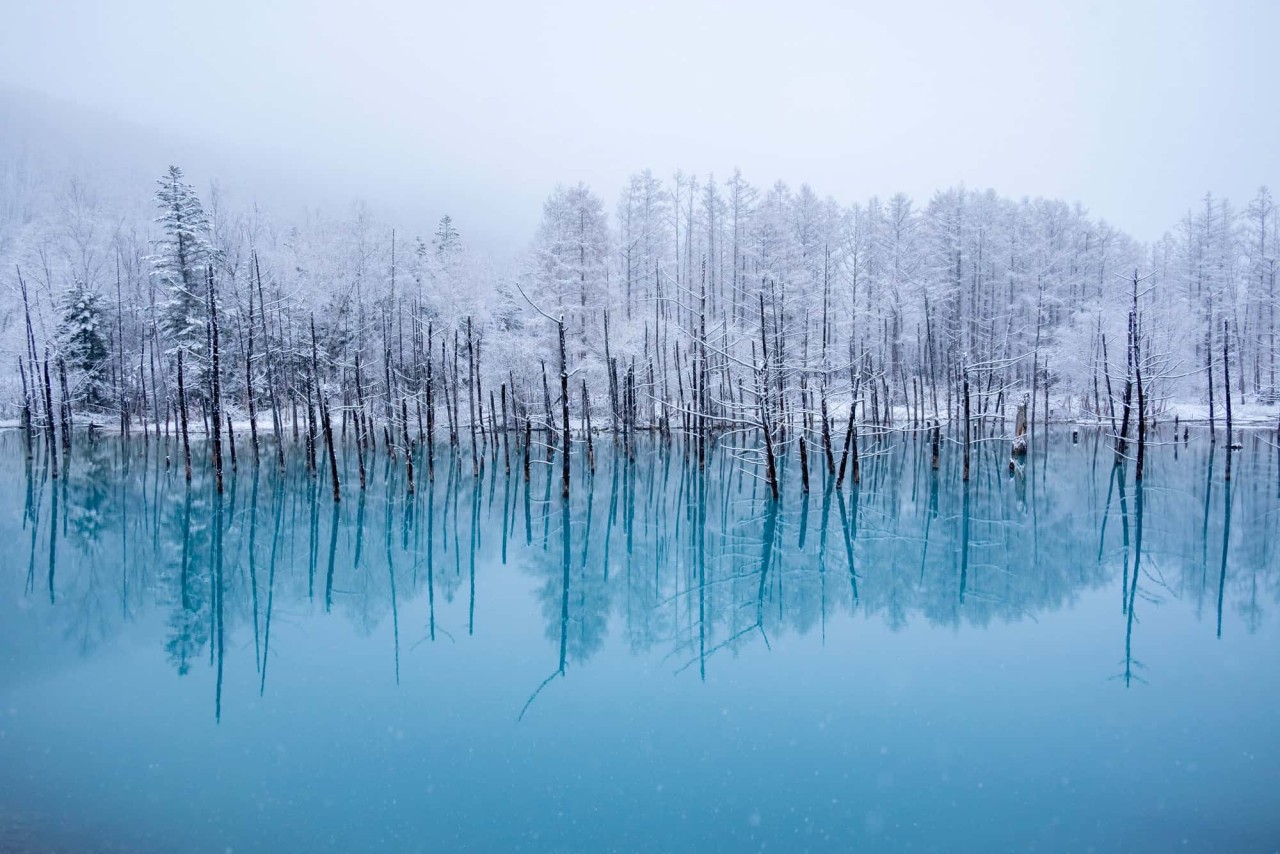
[571,259]
[182,261]
[448,241]
[83,342]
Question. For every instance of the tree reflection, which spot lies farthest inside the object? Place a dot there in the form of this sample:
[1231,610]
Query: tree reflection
[683,560]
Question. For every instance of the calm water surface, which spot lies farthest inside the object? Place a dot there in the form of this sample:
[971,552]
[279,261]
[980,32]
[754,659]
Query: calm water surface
[1057,660]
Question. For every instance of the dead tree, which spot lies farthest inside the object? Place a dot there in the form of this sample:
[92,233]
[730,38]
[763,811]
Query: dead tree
[1226,390]
[408,445]
[182,417]
[506,434]
[564,412]
[51,439]
[1019,448]
[968,425]
[248,383]
[763,408]
[28,442]
[431,409]
[586,414]
[361,433]
[64,406]
[326,424]
[471,399]
[215,400]
[276,423]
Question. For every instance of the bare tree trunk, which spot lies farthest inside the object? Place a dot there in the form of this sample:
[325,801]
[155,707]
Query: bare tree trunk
[528,445]
[471,402]
[1226,389]
[450,384]
[431,408]
[1142,422]
[312,436]
[326,424]
[182,418]
[361,433]
[277,425]
[613,375]
[231,441]
[1122,438]
[763,406]
[506,433]
[1208,372]
[121,397]
[26,411]
[586,414]
[564,413]
[248,384]
[1019,448]
[216,394]
[64,406]
[1106,373]
[851,434]
[51,433]
[408,445]
[967,425]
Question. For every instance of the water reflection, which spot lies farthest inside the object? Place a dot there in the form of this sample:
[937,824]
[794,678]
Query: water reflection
[694,563]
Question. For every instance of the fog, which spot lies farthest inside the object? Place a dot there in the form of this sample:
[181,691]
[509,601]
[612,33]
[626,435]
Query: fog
[480,109]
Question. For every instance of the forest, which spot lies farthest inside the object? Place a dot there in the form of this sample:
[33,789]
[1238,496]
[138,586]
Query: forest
[770,320]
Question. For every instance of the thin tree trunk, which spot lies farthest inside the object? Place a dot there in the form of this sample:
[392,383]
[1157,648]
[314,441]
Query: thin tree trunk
[967,425]
[216,396]
[51,433]
[564,413]
[248,385]
[64,406]
[182,418]
[586,414]
[1226,389]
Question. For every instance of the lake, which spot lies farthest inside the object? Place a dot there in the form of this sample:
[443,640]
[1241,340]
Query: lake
[1058,659]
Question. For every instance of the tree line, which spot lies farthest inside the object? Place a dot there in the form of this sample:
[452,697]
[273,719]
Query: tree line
[773,321]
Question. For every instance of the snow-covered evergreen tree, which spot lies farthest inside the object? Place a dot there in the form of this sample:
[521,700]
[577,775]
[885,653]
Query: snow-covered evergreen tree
[571,258]
[83,344]
[181,262]
[448,241]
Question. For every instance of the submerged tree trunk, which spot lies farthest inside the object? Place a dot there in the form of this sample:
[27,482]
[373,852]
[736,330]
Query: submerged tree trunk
[968,425]
[586,415]
[1019,448]
[215,400]
[182,417]
[1226,391]
[564,413]
[248,383]
[326,425]
[51,430]
[64,406]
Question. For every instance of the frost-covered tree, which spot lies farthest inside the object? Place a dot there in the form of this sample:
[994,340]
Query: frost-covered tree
[1260,247]
[83,342]
[448,241]
[182,261]
[571,258]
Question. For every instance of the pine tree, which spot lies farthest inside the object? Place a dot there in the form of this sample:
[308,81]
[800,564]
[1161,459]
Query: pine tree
[571,257]
[448,241]
[83,345]
[180,263]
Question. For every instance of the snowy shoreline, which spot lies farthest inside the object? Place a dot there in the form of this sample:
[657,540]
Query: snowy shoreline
[1250,416]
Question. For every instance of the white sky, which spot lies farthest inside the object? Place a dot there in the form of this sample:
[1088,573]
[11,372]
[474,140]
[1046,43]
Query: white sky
[479,108]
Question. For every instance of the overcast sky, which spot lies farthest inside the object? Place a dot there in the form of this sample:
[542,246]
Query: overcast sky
[480,108]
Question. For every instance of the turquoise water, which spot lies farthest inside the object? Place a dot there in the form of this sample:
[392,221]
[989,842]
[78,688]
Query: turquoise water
[1055,660]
